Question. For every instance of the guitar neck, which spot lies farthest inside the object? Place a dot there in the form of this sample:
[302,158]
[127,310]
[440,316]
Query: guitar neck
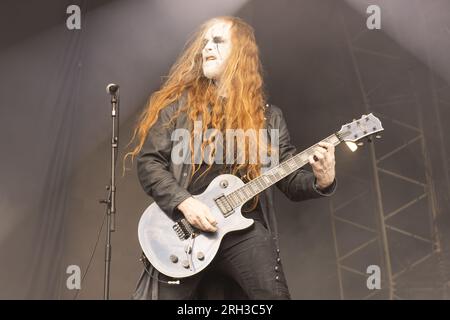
[272,176]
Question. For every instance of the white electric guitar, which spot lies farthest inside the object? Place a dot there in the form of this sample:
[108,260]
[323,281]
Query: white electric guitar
[177,249]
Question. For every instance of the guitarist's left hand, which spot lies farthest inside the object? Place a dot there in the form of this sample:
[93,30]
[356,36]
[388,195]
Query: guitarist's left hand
[323,164]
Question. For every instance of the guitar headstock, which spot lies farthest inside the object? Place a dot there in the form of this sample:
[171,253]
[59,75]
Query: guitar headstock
[366,126]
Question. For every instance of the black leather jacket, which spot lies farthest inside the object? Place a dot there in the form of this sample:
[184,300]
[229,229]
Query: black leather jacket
[167,182]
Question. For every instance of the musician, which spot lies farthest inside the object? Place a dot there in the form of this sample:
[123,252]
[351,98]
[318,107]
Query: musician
[218,80]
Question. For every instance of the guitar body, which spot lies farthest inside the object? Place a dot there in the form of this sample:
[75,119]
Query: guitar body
[180,257]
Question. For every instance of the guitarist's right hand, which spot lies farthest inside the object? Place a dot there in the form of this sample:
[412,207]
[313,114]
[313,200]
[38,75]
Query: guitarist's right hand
[198,214]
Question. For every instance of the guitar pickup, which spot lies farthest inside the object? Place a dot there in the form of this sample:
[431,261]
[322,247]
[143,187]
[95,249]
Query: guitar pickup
[224,206]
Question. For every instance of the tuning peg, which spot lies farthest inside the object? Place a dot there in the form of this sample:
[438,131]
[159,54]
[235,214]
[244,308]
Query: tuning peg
[378,136]
[360,144]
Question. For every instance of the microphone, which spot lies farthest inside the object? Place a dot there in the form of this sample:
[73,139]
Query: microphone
[112,88]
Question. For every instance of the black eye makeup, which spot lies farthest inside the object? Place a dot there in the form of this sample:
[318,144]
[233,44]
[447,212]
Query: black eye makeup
[216,40]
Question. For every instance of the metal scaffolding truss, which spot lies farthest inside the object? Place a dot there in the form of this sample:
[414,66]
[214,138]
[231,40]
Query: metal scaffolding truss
[442,106]
[402,250]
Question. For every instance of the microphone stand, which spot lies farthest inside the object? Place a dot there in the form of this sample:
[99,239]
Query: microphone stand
[111,200]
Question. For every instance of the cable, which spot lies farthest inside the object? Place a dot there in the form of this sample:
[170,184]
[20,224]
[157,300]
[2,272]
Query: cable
[143,259]
[92,254]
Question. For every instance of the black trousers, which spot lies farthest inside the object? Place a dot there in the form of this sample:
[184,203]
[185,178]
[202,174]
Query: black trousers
[249,257]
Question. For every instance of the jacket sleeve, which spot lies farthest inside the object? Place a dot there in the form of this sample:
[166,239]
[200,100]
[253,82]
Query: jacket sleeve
[153,163]
[301,184]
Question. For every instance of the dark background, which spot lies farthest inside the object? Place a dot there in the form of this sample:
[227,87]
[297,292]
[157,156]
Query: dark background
[323,67]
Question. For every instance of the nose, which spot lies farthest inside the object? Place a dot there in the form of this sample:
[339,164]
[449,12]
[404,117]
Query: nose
[208,46]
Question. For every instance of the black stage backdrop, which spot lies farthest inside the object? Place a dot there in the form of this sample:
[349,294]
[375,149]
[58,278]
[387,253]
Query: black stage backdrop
[323,67]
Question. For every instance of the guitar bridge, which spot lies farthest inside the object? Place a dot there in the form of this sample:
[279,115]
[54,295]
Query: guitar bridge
[183,229]
[224,206]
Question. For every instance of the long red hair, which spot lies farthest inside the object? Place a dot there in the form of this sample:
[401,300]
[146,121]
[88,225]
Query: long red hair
[242,81]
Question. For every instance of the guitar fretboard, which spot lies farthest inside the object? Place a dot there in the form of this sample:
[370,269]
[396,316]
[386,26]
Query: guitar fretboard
[272,176]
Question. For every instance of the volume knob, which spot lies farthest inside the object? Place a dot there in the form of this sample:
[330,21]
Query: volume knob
[200,256]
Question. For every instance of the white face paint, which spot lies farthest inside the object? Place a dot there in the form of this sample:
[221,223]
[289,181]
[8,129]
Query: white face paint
[217,49]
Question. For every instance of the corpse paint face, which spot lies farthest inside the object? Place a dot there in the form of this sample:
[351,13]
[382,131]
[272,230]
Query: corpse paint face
[217,49]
